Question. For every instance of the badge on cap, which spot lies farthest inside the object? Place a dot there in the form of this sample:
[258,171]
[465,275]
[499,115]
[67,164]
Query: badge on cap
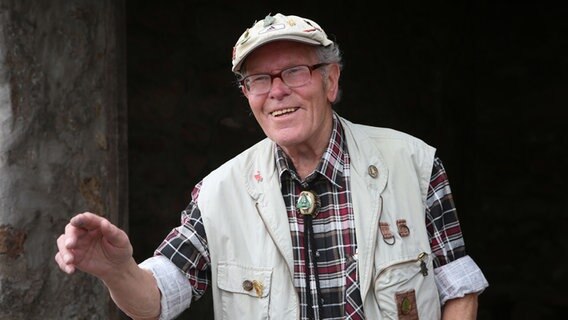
[268,20]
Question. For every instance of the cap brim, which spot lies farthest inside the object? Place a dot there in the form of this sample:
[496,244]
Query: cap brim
[272,39]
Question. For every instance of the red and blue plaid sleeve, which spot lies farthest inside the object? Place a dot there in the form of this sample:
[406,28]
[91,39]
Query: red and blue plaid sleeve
[442,223]
[186,247]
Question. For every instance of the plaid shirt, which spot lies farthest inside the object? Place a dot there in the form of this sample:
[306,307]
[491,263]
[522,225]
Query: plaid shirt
[334,234]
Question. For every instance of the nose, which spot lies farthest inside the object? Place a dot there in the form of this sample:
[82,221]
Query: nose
[278,87]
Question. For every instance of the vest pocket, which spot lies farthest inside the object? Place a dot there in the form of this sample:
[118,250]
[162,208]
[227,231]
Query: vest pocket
[406,290]
[244,291]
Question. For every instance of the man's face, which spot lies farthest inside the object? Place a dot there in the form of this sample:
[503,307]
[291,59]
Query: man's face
[293,117]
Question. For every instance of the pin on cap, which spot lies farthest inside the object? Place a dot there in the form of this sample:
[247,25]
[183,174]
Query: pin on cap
[277,27]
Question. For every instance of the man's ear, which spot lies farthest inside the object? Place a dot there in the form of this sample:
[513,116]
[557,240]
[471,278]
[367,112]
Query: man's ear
[333,73]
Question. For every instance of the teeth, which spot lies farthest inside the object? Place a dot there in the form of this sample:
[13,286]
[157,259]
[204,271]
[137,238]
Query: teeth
[283,111]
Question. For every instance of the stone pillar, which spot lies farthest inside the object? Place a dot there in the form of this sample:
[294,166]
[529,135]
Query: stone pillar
[62,147]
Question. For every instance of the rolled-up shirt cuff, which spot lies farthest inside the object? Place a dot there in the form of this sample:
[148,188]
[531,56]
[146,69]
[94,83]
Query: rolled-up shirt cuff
[458,278]
[174,287]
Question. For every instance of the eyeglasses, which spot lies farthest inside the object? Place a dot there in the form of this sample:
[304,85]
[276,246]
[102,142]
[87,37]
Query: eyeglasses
[293,77]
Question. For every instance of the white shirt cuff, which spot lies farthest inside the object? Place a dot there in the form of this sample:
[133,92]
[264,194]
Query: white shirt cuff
[174,287]
[458,278]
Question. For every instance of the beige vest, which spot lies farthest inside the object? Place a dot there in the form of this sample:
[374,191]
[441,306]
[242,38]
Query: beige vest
[249,236]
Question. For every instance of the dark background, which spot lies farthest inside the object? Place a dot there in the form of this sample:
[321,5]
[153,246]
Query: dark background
[483,82]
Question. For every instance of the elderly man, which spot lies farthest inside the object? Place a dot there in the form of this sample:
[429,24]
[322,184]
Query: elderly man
[323,219]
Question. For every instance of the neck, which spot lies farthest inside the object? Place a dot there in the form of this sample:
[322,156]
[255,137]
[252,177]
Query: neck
[307,156]
[305,161]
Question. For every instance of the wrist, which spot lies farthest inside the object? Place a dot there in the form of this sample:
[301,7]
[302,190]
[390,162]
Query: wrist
[134,290]
[122,273]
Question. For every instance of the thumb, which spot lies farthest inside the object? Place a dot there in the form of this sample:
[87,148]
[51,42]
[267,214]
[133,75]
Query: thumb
[113,235]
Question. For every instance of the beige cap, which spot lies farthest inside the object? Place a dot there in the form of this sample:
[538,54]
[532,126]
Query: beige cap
[277,27]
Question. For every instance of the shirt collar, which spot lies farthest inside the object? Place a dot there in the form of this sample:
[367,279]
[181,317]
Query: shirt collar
[332,163]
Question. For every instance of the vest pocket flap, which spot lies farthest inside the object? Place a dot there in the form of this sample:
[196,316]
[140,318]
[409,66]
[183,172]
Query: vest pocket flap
[406,289]
[251,281]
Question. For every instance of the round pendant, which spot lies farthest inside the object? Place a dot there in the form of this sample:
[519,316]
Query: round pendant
[306,203]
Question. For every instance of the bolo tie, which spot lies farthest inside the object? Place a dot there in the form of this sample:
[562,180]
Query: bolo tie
[308,206]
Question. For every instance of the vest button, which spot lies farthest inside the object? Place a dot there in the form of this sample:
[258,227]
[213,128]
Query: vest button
[247,285]
[373,171]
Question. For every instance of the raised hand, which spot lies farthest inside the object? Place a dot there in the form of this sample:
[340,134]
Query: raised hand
[94,245]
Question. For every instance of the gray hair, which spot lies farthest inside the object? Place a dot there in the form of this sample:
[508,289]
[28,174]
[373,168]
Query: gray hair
[330,54]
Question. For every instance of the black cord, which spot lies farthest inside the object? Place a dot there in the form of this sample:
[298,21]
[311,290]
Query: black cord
[309,249]
[308,220]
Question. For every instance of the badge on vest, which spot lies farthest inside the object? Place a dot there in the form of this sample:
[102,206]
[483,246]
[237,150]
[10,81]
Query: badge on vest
[406,305]
[388,236]
[403,229]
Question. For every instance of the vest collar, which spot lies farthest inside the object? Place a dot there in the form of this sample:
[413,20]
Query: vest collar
[369,176]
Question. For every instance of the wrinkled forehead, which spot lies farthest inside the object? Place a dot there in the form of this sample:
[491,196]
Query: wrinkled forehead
[279,54]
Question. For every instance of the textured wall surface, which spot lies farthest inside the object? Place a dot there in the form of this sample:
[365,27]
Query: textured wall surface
[61,99]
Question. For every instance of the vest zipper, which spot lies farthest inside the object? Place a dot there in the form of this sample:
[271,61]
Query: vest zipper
[421,258]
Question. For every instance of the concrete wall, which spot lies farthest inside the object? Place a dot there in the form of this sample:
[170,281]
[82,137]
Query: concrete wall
[62,109]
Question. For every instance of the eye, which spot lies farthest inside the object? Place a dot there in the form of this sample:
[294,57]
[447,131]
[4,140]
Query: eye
[257,80]
[295,70]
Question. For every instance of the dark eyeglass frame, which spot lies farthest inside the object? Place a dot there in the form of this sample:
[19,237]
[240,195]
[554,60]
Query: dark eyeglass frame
[279,75]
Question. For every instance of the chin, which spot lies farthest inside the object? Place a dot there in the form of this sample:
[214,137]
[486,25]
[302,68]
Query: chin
[285,137]
[287,142]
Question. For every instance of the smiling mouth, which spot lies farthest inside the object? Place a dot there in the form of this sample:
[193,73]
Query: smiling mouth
[281,112]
